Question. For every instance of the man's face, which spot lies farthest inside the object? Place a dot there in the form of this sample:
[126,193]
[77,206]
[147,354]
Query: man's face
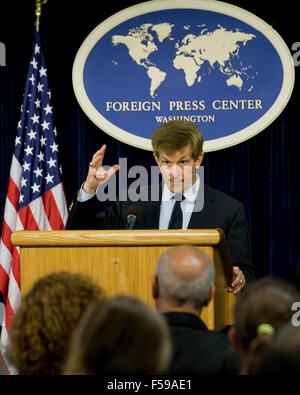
[178,169]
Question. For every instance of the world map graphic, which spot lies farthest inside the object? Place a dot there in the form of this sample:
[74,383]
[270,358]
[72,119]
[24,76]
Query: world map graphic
[196,52]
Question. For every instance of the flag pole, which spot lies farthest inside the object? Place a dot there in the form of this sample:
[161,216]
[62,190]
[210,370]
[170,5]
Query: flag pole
[38,12]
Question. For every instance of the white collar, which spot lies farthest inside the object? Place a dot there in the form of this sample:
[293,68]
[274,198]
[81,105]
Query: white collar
[190,194]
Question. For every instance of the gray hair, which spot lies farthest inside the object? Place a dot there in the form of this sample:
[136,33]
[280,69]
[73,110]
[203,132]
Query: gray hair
[181,293]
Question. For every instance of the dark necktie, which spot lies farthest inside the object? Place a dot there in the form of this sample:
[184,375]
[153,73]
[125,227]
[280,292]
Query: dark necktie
[176,216]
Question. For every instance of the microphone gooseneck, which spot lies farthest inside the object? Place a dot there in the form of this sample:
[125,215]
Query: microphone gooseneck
[132,216]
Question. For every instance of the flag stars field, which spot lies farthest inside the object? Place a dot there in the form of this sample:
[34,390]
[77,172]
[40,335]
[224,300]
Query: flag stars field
[34,63]
[29,150]
[51,162]
[43,72]
[48,109]
[32,78]
[26,166]
[43,140]
[32,135]
[40,156]
[37,49]
[45,125]
[54,147]
[49,178]
[40,87]
[35,188]
[38,172]
[35,118]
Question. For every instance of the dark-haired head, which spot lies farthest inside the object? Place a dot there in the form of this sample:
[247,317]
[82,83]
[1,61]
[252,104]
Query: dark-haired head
[122,335]
[264,304]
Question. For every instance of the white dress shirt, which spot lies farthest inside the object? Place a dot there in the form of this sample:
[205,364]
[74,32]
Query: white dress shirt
[187,205]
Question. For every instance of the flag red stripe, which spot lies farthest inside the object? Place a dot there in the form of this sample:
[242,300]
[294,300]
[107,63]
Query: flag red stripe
[6,232]
[27,219]
[4,365]
[13,193]
[4,282]
[16,265]
[52,211]
[4,279]
[9,313]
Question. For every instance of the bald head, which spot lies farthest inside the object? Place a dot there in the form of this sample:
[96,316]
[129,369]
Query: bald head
[185,276]
[186,262]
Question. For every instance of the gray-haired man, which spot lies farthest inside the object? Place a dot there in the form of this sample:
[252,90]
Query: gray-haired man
[182,285]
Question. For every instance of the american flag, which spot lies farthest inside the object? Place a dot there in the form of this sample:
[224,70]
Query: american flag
[35,198]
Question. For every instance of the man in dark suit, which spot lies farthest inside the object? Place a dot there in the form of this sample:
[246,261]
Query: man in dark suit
[178,151]
[182,285]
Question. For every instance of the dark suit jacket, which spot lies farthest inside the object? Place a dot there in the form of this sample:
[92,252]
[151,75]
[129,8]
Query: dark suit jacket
[219,211]
[196,350]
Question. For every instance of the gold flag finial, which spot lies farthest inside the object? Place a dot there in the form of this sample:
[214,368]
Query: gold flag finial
[38,12]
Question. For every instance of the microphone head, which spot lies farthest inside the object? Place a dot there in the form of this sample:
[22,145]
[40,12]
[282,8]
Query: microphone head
[133,210]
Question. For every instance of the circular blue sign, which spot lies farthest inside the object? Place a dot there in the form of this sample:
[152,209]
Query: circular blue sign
[209,63]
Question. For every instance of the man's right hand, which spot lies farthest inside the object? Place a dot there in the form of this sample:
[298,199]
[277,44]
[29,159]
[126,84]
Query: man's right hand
[97,174]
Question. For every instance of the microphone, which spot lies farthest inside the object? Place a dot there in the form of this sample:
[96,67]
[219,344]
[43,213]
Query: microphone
[132,216]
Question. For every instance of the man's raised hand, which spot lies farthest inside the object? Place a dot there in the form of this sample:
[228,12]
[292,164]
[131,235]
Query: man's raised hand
[97,174]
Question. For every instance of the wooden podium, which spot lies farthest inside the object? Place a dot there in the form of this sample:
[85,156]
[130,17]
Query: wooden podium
[123,262]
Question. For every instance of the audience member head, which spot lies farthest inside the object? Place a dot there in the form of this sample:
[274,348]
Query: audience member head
[184,280]
[283,355]
[122,335]
[260,310]
[42,326]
